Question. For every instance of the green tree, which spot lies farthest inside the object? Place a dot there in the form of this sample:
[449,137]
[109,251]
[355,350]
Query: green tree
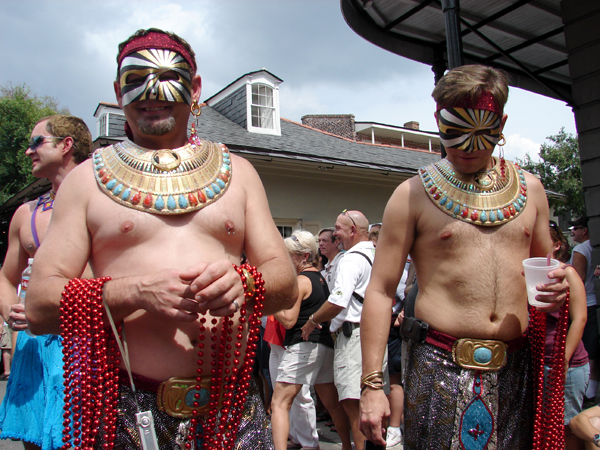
[19,112]
[560,171]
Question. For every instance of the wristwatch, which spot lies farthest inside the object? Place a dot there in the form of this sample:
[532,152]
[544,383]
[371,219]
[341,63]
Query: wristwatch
[597,440]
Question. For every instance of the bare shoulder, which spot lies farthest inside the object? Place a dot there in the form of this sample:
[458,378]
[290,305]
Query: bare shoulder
[78,182]
[23,214]
[534,185]
[241,166]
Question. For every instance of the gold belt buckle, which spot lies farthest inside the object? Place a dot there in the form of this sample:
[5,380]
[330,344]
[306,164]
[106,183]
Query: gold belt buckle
[176,397]
[478,354]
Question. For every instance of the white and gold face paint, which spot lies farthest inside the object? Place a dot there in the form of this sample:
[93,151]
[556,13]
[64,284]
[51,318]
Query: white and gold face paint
[155,74]
[469,129]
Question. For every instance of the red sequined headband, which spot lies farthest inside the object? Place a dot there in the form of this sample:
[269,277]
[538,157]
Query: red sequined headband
[485,101]
[156,40]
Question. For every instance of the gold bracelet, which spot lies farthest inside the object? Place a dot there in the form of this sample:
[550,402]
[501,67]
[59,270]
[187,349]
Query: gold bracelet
[371,376]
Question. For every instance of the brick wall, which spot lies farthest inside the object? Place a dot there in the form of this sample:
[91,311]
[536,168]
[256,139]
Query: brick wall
[341,124]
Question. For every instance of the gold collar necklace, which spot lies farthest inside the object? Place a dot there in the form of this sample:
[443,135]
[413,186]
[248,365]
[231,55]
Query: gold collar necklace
[168,181]
[489,198]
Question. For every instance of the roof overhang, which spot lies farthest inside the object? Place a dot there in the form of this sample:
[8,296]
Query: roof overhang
[524,37]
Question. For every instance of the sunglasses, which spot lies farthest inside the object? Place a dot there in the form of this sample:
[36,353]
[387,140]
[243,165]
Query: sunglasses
[345,213]
[577,228]
[38,140]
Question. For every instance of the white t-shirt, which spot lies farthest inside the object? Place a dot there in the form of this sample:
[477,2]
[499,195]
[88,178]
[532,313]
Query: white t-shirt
[352,275]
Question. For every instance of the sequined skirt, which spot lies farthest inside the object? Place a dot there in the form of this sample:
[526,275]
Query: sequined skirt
[253,432]
[449,407]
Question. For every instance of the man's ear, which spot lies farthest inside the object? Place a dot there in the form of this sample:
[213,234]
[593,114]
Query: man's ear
[68,145]
[117,87]
[196,87]
[503,122]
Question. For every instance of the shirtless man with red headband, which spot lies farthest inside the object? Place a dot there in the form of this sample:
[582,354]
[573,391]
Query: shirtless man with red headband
[164,221]
[468,221]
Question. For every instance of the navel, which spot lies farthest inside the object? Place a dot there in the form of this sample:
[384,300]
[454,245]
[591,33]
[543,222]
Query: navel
[446,235]
[527,232]
[126,226]
[230,227]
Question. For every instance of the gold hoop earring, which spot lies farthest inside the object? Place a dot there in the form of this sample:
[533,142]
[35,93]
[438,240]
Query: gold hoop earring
[502,140]
[196,111]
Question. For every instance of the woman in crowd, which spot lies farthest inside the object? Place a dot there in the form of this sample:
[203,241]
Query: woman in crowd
[577,368]
[307,362]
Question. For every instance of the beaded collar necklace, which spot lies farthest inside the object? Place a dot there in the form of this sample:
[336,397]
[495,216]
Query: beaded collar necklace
[164,181]
[46,201]
[489,198]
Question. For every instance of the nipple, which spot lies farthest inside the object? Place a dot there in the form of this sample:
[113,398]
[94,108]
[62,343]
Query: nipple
[446,235]
[230,227]
[126,226]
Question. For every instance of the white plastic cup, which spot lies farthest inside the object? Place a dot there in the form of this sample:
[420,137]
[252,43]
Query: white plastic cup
[536,273]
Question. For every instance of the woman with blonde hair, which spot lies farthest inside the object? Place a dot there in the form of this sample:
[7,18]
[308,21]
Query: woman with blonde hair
[307,362]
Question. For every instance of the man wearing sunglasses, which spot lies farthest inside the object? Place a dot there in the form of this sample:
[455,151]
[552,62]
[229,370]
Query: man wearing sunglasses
[468,221]
[582,262]
[32,407]
[165,221]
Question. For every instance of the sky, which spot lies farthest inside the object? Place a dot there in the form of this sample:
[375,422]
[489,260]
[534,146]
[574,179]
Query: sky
[66,49]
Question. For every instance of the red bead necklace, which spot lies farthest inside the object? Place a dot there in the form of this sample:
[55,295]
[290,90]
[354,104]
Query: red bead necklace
[90,357]
[221,425]
[91,361]
[548,425]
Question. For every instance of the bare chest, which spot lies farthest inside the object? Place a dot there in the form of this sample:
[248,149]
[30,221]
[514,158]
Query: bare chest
[33,231]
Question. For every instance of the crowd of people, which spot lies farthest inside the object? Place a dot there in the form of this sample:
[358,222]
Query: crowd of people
[142,315]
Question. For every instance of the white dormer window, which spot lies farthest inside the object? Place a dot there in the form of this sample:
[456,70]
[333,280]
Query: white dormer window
[102,125]
[262,106]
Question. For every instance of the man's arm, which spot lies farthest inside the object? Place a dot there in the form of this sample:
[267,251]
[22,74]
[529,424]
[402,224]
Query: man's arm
[577,314]
[395,242]
[541,245]
[347,277]
[14,264]
[217,285]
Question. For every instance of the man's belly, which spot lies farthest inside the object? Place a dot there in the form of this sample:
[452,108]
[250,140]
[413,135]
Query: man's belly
[160,348]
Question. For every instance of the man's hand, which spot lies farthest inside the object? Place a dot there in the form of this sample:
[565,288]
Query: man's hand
[555,293]
[374,411]
[215,287]
[16,318]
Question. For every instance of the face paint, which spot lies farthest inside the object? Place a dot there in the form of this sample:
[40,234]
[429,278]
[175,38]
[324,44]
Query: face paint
[468,129]
[155,75]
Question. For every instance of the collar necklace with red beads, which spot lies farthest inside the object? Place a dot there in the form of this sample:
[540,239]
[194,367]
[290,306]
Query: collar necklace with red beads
[168,181]
[488,198]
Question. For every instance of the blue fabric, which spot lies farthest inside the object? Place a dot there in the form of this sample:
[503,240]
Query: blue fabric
[33,405]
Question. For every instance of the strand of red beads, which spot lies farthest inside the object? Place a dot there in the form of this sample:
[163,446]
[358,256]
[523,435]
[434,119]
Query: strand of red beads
[554,407]
[548,427]
[537,326]
[89,357]
[226,347]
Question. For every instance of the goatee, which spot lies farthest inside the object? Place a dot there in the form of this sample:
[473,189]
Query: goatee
[156,127]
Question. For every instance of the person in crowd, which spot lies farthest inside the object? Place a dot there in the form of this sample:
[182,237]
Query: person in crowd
[32,409]
[164,220]
[308,360]
[6,349]
[344,308]
[468,221]
[577,368]
[329,246]
[582,262]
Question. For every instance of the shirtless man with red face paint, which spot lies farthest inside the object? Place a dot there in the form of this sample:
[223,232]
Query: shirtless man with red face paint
[468,222]
[166,219]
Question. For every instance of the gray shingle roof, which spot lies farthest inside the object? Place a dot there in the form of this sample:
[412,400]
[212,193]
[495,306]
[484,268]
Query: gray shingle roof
[301,142]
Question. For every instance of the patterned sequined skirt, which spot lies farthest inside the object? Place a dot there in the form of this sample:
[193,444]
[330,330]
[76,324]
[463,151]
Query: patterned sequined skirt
[253,432]
[449,407]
